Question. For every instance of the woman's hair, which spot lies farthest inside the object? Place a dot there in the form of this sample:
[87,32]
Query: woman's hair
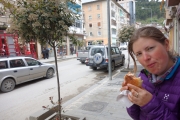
[147,32]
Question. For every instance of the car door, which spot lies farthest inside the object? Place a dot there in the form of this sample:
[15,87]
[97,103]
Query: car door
[19,70]
[119,56]
[36,70]
[114,55]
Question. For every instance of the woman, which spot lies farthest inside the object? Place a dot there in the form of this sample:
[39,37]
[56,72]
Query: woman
[159,99]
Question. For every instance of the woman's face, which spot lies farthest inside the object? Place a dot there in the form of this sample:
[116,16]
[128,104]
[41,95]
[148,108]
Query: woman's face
[152,55]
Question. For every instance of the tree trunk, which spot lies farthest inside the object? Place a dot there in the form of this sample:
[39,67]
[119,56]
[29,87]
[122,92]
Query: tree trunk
[128,61]
[128,58]
[58,82]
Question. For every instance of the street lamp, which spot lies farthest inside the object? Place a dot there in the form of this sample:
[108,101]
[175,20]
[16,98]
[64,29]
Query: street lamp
[151,12]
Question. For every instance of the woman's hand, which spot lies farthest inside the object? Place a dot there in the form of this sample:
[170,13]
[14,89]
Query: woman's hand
[138,96]
[123,86]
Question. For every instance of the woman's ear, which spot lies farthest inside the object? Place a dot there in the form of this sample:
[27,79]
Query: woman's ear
[167,45]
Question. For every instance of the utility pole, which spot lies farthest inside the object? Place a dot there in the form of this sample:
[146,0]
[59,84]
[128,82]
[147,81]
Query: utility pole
[109,40]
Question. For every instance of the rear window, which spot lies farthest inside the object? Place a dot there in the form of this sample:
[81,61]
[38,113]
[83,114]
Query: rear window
[97,50]
[3,65]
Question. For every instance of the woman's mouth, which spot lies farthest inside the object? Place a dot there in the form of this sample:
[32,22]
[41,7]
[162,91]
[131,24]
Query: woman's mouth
[151,65]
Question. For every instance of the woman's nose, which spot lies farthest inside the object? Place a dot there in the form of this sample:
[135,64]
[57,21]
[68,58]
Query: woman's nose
[146,56]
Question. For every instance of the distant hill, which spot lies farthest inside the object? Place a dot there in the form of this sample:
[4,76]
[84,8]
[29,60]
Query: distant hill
[144,15]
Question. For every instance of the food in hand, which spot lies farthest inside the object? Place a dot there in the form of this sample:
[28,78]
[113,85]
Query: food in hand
[130,78]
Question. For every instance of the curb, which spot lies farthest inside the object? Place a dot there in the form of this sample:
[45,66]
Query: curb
[58,59]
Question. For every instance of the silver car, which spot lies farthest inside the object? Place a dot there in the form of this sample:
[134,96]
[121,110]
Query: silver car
[17,70]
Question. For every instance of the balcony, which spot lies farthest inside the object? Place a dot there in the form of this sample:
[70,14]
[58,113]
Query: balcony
[76,30]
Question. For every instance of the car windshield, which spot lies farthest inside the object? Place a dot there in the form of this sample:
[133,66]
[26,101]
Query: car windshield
[97,50]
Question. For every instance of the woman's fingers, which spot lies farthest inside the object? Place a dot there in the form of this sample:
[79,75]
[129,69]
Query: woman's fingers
[123,83]
[133,87]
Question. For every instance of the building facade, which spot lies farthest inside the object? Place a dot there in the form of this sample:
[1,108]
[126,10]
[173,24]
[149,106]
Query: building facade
[96,21]
[76,29]
[172,23]
[129,6]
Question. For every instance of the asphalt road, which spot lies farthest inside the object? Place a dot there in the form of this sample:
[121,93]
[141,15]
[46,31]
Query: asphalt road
[29,97]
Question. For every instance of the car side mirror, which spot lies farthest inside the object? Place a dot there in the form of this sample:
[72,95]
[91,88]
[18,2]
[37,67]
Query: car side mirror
[39,63]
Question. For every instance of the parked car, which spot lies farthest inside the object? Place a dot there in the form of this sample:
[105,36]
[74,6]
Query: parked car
[83,54]
[17,70]
[123,46]
[98,57]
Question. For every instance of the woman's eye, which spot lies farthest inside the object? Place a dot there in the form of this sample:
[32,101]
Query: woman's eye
[138,54]
[150,48]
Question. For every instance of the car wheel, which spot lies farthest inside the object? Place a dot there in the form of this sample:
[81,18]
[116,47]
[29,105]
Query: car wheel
[123,62]
[112,66]
[7,85]
[49,73]
[94,68]
[97,58]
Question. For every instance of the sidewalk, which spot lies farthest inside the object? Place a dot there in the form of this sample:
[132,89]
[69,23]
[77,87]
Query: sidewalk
[52,59]
[99,101]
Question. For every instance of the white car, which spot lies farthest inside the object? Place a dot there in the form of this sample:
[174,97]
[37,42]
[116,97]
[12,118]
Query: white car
[123,46]
[17,70]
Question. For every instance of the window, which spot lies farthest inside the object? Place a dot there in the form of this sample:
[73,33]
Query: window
[122,4]
[90,24]
[97,50]
[90,34]
[117,51]
[98,16]
[112,5]
[113,22]
[16,63]
[99,24]
[90,17]
[89,8]
[113,51]
[99,33]
[90,43]
[113,31]
[3,65]
[32,62]
[113,14]
[78,24]
[127,4]
[98,7]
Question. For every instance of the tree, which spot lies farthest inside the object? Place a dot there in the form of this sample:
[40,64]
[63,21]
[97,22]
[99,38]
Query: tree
[46,21]
[124,35]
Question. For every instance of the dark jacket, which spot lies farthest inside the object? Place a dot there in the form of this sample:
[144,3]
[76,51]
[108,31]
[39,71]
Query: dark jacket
[165,104]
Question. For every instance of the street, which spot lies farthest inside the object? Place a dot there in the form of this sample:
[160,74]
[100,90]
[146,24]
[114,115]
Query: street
[29,97]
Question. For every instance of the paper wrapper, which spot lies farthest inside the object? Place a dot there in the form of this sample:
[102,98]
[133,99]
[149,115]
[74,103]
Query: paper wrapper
[123,98]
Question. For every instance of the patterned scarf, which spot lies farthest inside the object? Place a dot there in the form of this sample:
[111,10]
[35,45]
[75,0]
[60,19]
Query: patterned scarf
[159,79]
